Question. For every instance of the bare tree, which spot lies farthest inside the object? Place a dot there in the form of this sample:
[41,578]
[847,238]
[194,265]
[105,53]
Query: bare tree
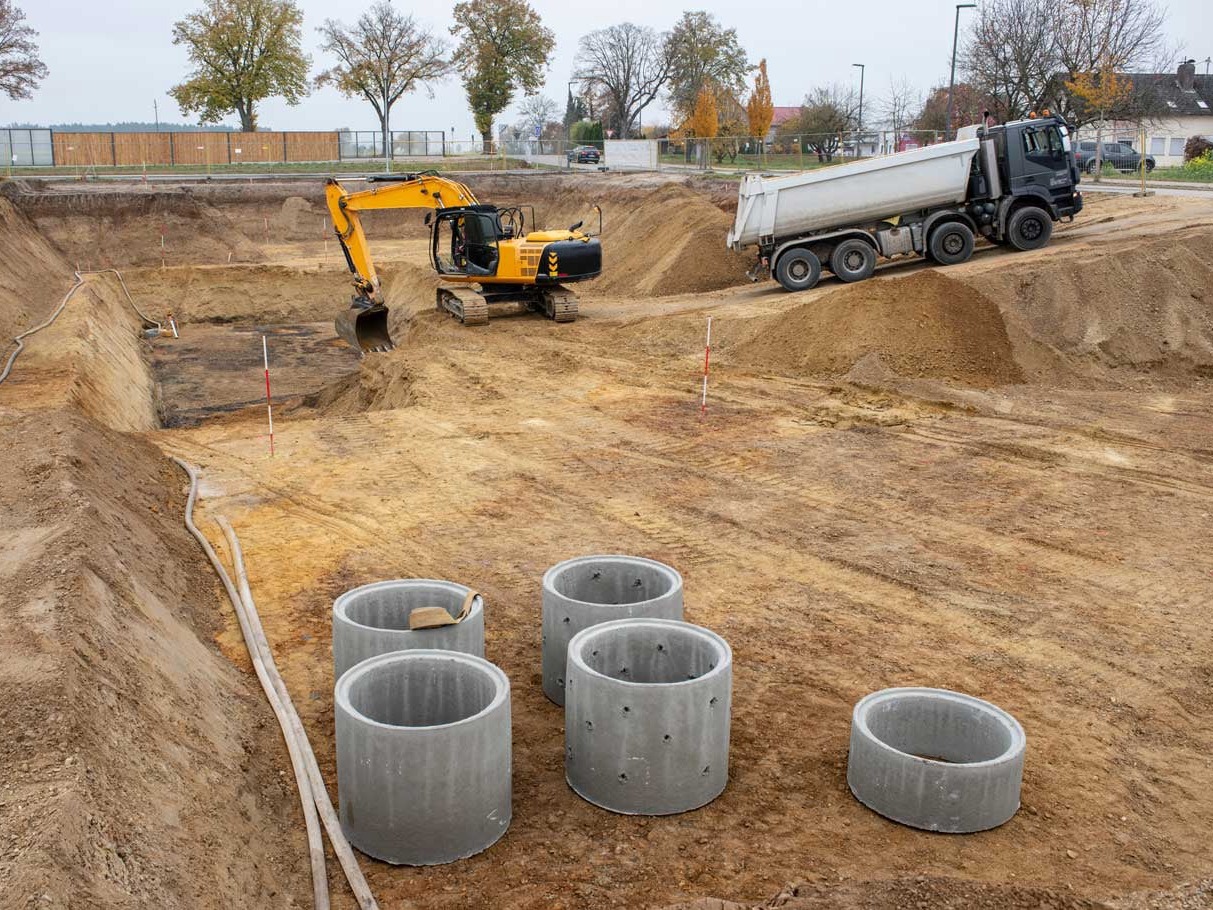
[1019,54]
[20,67]
[534,114]
[899,106]
[382,57]
[630,64]
[828,112]
[1010,55]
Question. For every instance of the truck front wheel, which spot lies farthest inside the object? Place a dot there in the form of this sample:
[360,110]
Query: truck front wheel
[951,243]
[798,270]
[853,260]
[1029,228]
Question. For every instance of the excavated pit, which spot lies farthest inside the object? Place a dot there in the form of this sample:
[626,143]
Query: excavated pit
[1034,545]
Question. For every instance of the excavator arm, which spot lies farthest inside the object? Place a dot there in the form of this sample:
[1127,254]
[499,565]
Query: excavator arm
[364,326]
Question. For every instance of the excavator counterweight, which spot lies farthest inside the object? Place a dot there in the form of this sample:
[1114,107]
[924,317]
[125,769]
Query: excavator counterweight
[482,251]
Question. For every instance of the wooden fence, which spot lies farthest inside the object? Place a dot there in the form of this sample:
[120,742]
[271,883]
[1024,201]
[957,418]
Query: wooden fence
[195,149]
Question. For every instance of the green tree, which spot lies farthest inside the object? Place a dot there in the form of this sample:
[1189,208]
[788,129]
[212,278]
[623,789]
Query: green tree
[242,51]
[703,53]
[382,57]
[20,67]
[503,47]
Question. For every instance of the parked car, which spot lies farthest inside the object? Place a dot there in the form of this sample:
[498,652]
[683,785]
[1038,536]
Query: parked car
[1120,155]
[583,154]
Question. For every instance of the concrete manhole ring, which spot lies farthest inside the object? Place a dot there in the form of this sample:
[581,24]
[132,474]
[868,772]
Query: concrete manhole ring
[582,592]
[423,756]
[374,619]
[936,759]
[647,716]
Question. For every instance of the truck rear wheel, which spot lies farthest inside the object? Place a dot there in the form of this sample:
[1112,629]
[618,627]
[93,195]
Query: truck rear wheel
[853,260]
[951,243]
[798,270]
[1029,228]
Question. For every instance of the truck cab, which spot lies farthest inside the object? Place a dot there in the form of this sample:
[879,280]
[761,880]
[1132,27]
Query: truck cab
[1035,161]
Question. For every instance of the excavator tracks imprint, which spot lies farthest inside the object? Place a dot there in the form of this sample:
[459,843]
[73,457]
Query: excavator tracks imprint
[466,306]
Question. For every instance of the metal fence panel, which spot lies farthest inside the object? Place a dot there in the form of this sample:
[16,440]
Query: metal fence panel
[26,148]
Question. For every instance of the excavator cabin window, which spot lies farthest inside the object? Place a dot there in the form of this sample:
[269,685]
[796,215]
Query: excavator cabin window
[465,243]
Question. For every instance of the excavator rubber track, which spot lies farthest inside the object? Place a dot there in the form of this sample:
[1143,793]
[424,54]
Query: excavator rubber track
[465,305]
[559,304]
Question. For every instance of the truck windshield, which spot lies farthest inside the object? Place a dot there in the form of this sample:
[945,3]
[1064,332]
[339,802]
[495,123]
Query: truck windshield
[1044,140]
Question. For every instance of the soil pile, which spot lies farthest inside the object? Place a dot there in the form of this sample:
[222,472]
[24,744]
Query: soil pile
[140,767]
[1109,317]
[922,325]
[658,238]
[381,383]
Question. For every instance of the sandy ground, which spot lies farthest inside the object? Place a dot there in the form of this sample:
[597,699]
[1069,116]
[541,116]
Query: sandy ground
[1020,517]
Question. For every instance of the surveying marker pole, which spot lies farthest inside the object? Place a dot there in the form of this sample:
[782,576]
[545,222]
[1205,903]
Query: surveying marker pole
[269,409]
[707,356]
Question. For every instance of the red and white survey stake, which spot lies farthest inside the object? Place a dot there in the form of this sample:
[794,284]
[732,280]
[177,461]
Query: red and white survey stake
[707,357]
[269,409]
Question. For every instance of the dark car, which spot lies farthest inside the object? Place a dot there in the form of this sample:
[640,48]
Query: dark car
[583,154]
[1120,155]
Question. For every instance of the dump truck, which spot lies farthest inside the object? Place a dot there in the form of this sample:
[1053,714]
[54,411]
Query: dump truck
[1006,183]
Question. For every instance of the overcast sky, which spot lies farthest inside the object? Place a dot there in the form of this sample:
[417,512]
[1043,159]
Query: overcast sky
[110,62]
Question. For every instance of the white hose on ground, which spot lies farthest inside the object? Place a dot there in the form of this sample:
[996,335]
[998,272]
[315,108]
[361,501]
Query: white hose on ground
[341,846]
[266,675]
[20,339]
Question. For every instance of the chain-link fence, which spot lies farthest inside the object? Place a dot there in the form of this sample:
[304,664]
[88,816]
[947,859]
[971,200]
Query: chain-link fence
[791,152]
[1144,157]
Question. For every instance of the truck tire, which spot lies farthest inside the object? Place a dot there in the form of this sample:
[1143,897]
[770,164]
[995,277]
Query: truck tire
[853,260]
[1029,228]
[951,243]
[798,270]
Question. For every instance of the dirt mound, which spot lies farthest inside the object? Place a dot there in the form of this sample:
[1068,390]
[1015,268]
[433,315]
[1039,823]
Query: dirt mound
[381,383]
[921,325]
[24,253]
[660,237]
[140,766]
[1123,315]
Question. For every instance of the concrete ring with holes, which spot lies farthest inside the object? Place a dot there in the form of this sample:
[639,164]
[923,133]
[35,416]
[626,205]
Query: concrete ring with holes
[647,715]
[579,593]
[374,619]
[423,756]
[936,759]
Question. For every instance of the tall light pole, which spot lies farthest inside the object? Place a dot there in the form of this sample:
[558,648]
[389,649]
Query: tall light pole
[861,71]
[947,123]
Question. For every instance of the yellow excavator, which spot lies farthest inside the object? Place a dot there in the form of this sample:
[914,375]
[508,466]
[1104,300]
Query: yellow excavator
[482,253]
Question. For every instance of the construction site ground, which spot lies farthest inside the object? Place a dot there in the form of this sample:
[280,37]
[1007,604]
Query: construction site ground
[995,478]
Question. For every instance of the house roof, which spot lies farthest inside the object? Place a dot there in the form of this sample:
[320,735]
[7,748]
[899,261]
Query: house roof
[784,114]
[1179,102]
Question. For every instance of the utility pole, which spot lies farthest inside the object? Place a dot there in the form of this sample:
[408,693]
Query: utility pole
[947,123]
[156,108]
[860,128]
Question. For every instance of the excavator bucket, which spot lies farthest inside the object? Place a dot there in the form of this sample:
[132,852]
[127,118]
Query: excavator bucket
[364,326]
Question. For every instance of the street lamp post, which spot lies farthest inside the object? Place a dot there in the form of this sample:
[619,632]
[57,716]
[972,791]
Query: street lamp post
[947,123]
[860,100]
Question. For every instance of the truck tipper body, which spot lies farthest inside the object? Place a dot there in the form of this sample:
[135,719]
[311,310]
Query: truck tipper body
[1006,183]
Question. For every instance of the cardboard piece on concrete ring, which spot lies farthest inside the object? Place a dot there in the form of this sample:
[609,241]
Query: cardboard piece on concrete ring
[436,617]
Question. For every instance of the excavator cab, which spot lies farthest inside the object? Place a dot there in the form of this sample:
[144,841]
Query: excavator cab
[464,241]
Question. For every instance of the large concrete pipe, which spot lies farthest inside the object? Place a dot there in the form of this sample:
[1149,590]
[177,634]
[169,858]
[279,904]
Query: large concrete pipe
[935,759]
[579,593]
[646,721]
[423,756]
[374,619]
